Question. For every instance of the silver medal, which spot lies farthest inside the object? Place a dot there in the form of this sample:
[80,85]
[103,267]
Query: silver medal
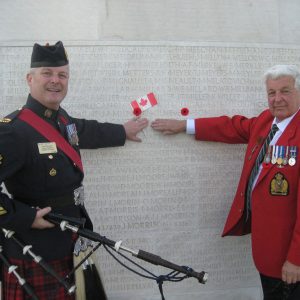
[292,161]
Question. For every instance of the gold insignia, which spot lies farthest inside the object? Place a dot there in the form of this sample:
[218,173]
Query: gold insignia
[2,211]
[52,172]
[279,185]
[1,159]
[5,120]
[48,113]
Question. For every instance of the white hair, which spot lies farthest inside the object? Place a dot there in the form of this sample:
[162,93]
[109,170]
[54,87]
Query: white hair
[279,71]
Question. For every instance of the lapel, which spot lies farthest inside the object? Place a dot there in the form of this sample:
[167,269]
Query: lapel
[260,136]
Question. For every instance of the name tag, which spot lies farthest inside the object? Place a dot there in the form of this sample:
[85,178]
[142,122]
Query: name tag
[46,148]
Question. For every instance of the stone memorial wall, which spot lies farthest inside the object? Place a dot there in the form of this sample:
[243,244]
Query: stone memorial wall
[168,195]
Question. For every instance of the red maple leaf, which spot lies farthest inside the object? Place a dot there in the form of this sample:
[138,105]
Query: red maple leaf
[143,102]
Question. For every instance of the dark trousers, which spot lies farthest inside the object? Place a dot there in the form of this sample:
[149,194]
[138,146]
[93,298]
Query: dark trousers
[276,289]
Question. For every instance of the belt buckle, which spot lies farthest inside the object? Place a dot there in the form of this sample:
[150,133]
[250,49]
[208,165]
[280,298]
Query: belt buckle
[79,196]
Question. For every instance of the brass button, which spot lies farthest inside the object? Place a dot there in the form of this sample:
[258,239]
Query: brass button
[52,172]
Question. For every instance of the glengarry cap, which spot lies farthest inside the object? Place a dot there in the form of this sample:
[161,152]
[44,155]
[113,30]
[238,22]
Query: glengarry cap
[49,55]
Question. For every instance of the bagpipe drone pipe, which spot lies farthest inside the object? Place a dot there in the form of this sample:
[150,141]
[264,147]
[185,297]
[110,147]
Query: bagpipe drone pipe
[27,251]
[88,282]
[76,226]
[12,269]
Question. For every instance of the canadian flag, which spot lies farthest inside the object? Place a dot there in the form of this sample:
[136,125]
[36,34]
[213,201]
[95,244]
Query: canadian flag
[144,102]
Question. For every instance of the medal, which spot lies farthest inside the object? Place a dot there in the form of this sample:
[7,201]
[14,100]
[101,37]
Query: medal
[292,161]
[280,156]
[273,160]
[286,157]
[72,134]
[268,155]
[293,151]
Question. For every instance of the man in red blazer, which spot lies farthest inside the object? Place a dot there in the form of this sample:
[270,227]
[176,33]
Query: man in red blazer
[271,211]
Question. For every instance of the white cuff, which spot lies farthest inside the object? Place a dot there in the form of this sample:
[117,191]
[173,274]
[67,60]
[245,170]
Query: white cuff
[190,126]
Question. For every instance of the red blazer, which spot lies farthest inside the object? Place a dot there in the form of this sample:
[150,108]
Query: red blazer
[275,221]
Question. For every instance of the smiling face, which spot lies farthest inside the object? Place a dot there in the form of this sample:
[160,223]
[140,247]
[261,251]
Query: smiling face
[283,97]
[49,85]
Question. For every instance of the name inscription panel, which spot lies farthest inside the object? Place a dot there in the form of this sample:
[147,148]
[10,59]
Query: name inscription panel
[169,195]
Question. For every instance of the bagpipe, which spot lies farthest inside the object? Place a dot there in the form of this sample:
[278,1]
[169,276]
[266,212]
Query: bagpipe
[12,269]
[27,251]
[91,279]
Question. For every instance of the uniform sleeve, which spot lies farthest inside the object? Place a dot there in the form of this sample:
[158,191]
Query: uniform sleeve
[13,214]
[293,255]
[93,135]
[235,130]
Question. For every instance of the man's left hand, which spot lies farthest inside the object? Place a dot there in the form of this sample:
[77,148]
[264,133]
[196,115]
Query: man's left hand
[133,127]
[290,272]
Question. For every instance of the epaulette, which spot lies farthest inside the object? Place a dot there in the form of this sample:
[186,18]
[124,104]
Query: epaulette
[10,117]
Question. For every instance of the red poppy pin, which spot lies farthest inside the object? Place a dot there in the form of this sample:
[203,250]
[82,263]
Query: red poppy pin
[137,111]
[184,111]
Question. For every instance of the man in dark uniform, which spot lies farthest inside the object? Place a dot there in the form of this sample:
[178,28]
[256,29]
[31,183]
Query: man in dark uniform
[41,168]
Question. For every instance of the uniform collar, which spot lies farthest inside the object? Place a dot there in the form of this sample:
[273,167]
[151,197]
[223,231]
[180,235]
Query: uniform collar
[40,109]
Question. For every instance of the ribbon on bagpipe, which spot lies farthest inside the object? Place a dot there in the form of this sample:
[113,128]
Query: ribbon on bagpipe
[75,227]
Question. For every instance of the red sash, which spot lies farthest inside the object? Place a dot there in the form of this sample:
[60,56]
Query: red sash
[50,134]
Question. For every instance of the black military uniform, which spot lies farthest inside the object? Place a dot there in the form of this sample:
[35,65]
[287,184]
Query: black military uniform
[35,175]
[39,180]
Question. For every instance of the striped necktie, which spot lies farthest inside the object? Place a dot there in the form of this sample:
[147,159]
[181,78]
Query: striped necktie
[255,169]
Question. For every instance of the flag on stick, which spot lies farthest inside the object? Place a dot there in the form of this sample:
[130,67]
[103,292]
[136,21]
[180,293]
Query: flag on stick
[144,102]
